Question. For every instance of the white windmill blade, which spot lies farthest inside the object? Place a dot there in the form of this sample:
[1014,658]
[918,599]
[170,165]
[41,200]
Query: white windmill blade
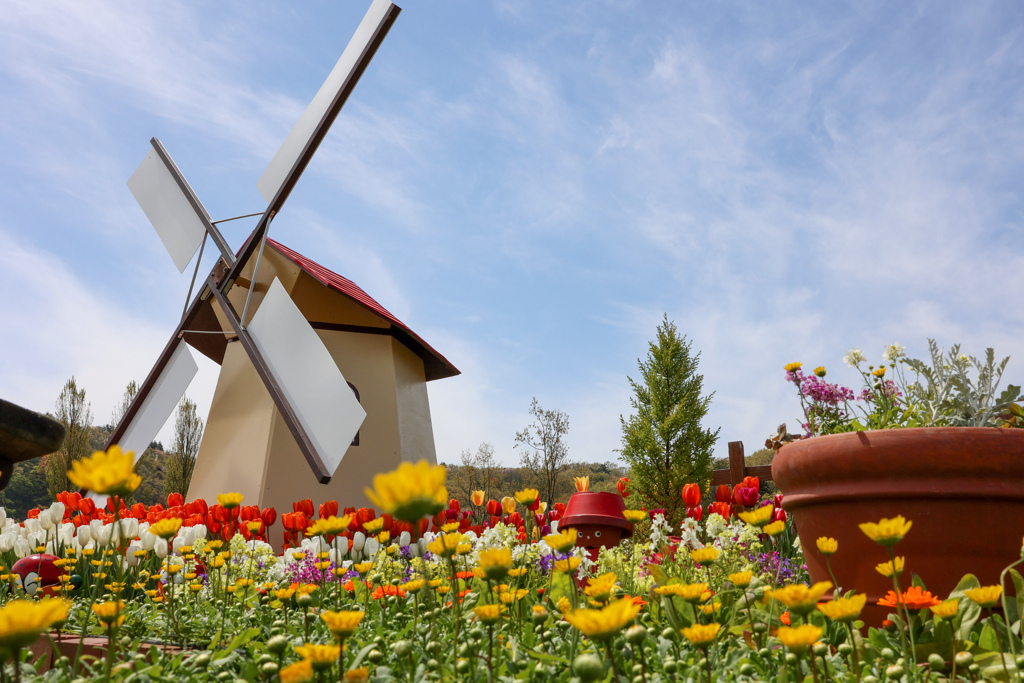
[307,375]
[160,402]
[173,208]
[296,151]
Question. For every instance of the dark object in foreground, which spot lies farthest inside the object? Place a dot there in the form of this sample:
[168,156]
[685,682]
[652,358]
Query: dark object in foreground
[25,435]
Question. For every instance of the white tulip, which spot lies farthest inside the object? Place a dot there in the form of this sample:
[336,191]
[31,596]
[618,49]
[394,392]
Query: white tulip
[104,535]
[554,527]
[129,527]
[358,541]
[133,560]
[148,540]
[95,526]
[178,542]
[32,525]
[371,547]
[22,548]
[357,556]
[160,547]
[3,517]
[57,510]
[404,538]
[188,534]
[7,542]
[46,520]
[51,547]
[200,531]
[84,535]
[36,539]
[143,526]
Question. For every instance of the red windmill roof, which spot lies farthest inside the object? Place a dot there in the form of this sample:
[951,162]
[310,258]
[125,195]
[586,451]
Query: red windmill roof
[435,366]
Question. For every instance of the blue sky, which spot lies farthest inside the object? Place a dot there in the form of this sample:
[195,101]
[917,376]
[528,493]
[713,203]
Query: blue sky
[531,186]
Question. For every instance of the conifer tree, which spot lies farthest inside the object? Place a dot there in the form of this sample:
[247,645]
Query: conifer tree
[663,442]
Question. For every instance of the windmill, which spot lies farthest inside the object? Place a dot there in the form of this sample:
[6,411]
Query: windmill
[306,386]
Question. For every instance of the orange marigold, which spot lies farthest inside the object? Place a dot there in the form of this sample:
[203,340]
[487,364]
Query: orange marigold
[381,591]
[914,597]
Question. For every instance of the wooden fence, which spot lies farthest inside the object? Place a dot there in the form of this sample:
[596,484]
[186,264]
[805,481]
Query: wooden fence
[738,468]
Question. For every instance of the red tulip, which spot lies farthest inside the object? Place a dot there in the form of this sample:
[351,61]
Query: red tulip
[623,486]
[453,504]
[87,506]
[175,499]
[747,497]
[493,508]
[304,506]
[751,483]
[779,515]
[695,512]
[329,508]
[723,509]
[723,494]
[269,516]
[691,495]
[777,499]
[201,506]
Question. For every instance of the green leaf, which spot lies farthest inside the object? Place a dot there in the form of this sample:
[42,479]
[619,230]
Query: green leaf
[359,657]
[1018,585]
[660,577]
[240,640]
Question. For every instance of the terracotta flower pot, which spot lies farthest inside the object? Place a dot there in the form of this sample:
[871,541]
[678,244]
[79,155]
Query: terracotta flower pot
[598,519]
[962,487]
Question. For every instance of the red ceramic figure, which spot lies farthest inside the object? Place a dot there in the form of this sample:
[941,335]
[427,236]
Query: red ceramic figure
[598,520]
[38,573]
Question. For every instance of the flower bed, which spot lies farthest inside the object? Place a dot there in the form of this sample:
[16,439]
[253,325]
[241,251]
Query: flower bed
[432,590]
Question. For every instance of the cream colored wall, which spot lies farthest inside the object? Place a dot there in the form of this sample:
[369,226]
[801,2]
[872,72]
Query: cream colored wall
[414,428]
[235,443]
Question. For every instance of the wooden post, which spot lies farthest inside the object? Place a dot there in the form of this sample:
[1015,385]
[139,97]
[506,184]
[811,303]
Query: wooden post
[737,465]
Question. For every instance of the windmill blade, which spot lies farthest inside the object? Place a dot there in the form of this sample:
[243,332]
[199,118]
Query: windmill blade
[160,401]
[303,380]
[298,148]
[172,207]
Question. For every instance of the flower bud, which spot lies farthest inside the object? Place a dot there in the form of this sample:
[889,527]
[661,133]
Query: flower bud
[277,644]
[963,658]
[588,667]
[402,648]
[635,634]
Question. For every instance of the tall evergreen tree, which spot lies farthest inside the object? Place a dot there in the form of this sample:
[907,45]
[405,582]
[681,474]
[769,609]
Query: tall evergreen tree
[664,442]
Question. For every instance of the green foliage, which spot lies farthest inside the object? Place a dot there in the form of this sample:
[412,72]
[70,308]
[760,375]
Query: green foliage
[471,475]
[664,442]
[544,451]
[26,490]
[188,433]
[76,415]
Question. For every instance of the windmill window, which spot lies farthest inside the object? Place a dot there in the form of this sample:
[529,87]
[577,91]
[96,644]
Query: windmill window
[355,441]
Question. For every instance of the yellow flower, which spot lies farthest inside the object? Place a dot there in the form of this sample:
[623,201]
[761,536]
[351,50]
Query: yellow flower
[759,516]
[892,568]
[600,587]
[799,598]
[363,567]
[508,505]
[360,675]
[299,672]
[820,371]
[329,526]
[477,498]
[634,515]
[411,491]
[564,606]
[445,545]
[946,609]
[229,500]
[527,497]
[741,579]
[712,608]
[373,526]
[165,528]
[111,472]
[342,624]
[495,563]
[704,556]
[567,565]
[414,585]
[606,622]
[880,372]
[582,483]
[519,571]
[488,614]
[196,587]
[110,613]
[690,592]
[887,532]
[320,656]
[827,546]
[702,635]
[790,367]
[563,541]
[775,528]
[986,596]
[464,549]
[21,621]
[799,639]
[450,527]
[843,609]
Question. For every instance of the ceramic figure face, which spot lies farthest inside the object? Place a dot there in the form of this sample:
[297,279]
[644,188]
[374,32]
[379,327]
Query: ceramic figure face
[38,573]
[593,536]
